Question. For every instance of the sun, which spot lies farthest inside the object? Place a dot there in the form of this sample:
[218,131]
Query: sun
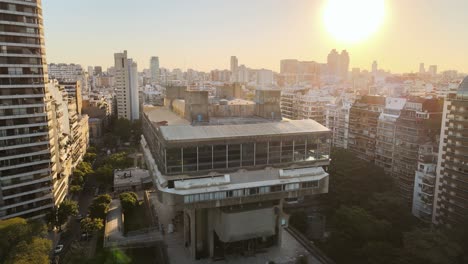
[353,20]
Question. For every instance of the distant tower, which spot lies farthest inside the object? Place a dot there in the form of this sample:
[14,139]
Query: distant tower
[154,68]
[422,70]
[433,70]
[343,65]
[234,69]
[333,62]
[375,67]
[126,84]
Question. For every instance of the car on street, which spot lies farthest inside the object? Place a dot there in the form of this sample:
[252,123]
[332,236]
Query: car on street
[58,249]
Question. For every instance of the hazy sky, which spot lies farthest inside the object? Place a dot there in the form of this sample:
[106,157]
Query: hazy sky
[203,34]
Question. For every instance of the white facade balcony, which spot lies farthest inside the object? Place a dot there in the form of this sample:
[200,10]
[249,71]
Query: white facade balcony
[25,125]
[44,189]
[22,55]
[21,96]
[45,161]
[23,136]
[44,179]
[11,12]
[25,155]
[20,106]
[30,211]
[26,174]
[23,116]
[45,197]
[21,75]
[25,45]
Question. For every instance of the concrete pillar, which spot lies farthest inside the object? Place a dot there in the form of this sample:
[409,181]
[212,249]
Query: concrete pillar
[210,231]
[192,234]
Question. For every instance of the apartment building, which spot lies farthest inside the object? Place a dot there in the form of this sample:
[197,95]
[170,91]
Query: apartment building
[451,203]
[363,122]
[418,124]
[424,182]
[126,87]
[28,167]
[303,103]
[386,126]
[337,119]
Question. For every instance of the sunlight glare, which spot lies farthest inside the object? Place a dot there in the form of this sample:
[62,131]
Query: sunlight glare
[353,21]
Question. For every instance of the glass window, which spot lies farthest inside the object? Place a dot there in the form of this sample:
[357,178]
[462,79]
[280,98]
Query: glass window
[299,150]
[174,160]
[219,158]
[274,152]
[190,159]
[234,155]
[311,148]
[205,156]
[287,151]
[248,154]
[311,184]
[261,153]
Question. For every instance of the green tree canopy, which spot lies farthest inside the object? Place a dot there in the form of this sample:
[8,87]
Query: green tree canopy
[129,201]
[23,242]
[91,225]
[425,246]
[66,209]
[35,252]
[89,157]
[100,206]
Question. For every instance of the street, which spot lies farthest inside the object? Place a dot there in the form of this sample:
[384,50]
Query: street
[73,227]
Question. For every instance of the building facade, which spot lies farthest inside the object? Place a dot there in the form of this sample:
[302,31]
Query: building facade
[451,203]
[363,122]
[418,124]
[225,178]
[126,86]
[28,167]
[154,69]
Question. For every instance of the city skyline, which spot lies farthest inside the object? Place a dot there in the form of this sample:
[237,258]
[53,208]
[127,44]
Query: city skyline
[204,35]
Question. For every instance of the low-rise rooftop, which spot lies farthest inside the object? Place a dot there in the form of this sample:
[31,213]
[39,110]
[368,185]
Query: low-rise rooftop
[213,132]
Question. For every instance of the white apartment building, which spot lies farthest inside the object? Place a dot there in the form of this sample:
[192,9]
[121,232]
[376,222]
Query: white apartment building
[126,87]
[386,126]
[337,119]
[300,103]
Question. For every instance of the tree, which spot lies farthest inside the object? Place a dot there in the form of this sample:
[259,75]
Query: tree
[424,246]
[23,242]
[353,228]
[391,207]
[89,157]
[354,181]
[105,174]
[299,221]
[120,160]
[100,206]
[75,189]
[129,201]
[122,129]
[91,225]
[85,167]
[103,198]
[35,252]
[66,209]
[91,149]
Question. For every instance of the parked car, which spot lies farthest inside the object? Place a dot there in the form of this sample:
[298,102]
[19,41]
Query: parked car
[79,217]
[58,249]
